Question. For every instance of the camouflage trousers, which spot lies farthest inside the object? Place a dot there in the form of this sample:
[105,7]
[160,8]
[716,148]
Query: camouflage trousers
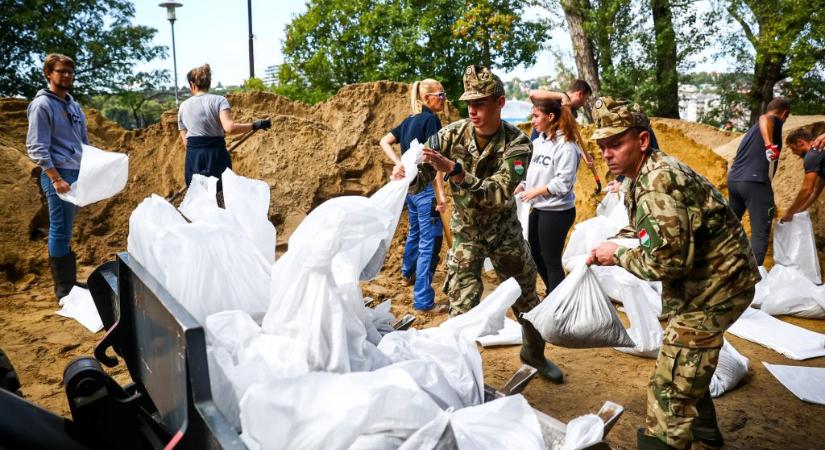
[511,258]
[684,368]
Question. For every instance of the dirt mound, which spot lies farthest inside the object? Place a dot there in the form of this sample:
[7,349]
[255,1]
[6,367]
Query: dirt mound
[703,134]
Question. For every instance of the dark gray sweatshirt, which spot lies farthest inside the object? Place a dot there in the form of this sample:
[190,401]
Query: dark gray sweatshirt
[57,128]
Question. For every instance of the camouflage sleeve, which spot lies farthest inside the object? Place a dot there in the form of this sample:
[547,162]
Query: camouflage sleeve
[666,247]
[495,191]
[627,232]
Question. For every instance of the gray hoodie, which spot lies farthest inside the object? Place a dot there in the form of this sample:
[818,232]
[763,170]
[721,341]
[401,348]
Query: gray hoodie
[57,128]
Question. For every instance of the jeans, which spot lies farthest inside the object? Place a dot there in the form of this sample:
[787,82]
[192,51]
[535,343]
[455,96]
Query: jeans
[420,247]
[61,214]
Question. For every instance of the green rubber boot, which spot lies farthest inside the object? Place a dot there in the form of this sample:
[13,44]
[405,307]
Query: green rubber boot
[705,429]
[645,442]
[532,353]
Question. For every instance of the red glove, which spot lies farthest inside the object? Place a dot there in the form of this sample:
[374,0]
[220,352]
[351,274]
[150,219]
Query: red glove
[771,152]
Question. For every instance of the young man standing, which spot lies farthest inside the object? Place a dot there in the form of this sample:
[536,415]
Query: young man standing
[813,161]
[485,158]
[690,241]
[57,131]
[749,179]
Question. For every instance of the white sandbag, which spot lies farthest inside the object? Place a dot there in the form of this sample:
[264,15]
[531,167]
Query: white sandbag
[509,335]
[644,330]
[806,383]
[583,431]
[611,216]
[785,290]
[790,340]
[431,377]
[761,288]
[78,305]
[435,435]
[487,265]
[329,411]
[152,217]
[248,201]
[617,282]
[523,214]
[379,321]
[102,175]
[231,330]
[488,316]
[577,314]
[505,423]
[730,370]
[200,201]
[457,357]
[794,246]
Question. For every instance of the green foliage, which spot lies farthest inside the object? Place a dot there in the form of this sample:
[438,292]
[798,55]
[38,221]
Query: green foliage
[733,102]
[97,34]
[338,42]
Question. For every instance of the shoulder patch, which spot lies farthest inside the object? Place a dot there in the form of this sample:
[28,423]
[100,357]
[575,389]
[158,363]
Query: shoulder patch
[518,167]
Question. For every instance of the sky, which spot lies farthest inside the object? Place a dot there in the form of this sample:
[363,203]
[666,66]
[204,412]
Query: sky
[216,32]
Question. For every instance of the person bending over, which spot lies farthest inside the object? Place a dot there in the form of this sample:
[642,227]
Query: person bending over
[813,162]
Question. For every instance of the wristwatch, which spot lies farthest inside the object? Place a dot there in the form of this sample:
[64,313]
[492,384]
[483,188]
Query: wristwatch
[457,169]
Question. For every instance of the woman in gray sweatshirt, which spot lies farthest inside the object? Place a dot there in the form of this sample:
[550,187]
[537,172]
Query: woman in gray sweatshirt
[548,187]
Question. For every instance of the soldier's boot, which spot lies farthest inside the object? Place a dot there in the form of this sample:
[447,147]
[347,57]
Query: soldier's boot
[63,274]
[532,353]
[705,429]
[645,442]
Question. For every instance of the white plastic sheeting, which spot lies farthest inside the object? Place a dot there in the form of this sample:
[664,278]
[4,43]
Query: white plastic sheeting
[505,423]
[785,290]
[248,201]
[645,330]
[78,305]
[806,383]
[794,246]
[523,214]
[509,335]
[329,411]
[578,314]
[611,217]
[790,340]
[731,368]
[102,175]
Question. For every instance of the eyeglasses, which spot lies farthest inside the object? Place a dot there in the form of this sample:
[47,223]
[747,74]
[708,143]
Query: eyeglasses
[67,72]
[442,95]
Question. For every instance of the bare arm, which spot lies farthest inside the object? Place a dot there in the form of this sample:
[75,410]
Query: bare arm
[812,198]
[766,128]
[230,127]
[819,142]
[386,144]
[183,134]
[548,95]
[440,198]
[808,184]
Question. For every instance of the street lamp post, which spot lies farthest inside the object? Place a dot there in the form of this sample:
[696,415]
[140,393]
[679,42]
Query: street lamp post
[251,36]
[170,15]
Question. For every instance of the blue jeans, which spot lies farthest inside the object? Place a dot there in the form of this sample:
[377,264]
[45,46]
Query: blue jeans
[61,214]
[418,251]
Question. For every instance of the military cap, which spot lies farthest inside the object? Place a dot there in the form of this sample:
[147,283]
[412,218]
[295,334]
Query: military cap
[480,82]
[615,116]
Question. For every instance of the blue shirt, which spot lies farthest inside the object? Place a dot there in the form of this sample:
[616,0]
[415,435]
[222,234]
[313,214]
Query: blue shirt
[57,130]
[814,161]
[750,163]
[417,126]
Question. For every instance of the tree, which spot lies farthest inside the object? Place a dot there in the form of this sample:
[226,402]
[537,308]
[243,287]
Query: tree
[575,12]
[338,42]
[97,34]
[780,39]
[140,89]
[667,78]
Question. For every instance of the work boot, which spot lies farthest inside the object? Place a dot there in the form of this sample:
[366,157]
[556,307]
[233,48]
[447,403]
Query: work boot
[645,442]
[63,273]
[705,429]
[532,353]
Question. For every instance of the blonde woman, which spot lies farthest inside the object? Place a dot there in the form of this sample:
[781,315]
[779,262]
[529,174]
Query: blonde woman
[203,119]
[427,97]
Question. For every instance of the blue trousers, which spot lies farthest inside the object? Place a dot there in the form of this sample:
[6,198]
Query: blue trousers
[61,214]
[420,247]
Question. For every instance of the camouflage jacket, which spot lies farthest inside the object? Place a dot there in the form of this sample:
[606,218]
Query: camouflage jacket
[483,201]
[688,237]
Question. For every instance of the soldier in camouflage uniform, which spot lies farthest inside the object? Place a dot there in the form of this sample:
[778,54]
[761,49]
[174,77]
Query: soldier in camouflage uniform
[485,158]
[691,241]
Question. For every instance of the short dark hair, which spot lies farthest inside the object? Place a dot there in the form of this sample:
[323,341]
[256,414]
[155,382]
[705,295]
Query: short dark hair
[580,86]
[779,104]
[799,135]
[52,59]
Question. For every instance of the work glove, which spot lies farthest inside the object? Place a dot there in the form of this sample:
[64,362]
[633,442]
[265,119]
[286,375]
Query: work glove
[262,124]
[771,152]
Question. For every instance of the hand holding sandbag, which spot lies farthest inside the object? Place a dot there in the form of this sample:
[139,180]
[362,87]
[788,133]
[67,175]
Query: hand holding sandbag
[578,314]
[262,124]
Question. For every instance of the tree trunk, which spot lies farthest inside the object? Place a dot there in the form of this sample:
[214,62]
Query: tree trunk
[766,73]
[667,79]
[586,64]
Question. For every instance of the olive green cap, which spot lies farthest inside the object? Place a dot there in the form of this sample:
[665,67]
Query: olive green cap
[615,116]
[480,82]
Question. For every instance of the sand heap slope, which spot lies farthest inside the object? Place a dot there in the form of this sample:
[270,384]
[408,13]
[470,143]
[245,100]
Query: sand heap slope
[310,154]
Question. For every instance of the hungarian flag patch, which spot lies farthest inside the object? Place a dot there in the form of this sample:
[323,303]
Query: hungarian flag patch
[644,238]
[518,166]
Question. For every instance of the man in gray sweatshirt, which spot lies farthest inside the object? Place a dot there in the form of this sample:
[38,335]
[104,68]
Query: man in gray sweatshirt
[57,132]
